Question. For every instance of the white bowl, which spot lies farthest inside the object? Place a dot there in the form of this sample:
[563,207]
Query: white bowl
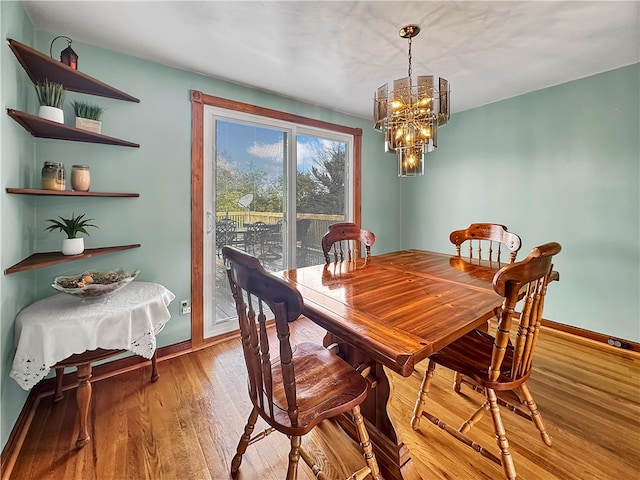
[94,284]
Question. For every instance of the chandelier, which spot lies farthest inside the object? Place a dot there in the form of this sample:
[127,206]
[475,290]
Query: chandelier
[409,115]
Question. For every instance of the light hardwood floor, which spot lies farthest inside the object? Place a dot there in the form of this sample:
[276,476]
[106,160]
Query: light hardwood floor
[186,426]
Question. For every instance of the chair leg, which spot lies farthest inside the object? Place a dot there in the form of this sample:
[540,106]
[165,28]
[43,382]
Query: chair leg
[59,377]
[501,436]
[484,327]
[294,456]
[473,419]
[311,463]
[457,382]
[423,393]
[460,380]
[535,414]
[244,441]
[367,448]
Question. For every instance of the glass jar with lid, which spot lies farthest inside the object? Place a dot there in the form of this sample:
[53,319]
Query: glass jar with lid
[53,176]
[80,178]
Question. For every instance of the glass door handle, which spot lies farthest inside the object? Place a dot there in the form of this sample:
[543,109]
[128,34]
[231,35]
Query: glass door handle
[209,222]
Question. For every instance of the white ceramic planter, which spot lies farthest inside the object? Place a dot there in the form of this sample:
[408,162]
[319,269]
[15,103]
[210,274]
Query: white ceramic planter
[73,246]
[51,113]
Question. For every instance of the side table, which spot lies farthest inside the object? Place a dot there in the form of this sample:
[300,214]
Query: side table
[64,330]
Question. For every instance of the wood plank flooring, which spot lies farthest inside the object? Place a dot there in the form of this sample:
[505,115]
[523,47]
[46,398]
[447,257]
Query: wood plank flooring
[186,426]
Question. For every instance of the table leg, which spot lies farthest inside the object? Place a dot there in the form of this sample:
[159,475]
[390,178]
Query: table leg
[58,395]
[82,362]
[154,368]
[393,455]
[83,398]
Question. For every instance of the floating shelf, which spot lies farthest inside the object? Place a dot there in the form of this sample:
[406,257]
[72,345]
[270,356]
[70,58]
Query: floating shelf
[39,260]
[43,128]
[40,67]
[68,193]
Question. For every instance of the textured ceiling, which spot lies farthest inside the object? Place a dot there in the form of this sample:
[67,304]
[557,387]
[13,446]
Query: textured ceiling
[335,54]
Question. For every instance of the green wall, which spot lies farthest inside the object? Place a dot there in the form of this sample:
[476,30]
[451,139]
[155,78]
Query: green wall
[560,164]
[17,214]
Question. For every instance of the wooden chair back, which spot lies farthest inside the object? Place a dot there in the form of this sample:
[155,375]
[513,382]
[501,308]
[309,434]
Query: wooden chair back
[254,289]
[524,282]
[492,237]
[342,241]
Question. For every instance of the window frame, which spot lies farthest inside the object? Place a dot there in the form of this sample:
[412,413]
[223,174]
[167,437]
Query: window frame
[198,101]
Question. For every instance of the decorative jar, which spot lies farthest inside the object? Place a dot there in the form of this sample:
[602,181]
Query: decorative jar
[53,176]
[80,178]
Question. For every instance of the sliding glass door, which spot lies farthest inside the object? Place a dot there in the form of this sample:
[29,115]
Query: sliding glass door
[271,188]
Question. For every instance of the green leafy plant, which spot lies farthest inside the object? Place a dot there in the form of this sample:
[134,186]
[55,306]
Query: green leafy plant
[87,110]
[50,94]
[71,226]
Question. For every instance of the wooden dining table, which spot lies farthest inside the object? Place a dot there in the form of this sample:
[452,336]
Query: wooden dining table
[392,311]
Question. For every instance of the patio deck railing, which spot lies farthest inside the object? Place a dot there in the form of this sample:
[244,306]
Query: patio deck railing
[318,225]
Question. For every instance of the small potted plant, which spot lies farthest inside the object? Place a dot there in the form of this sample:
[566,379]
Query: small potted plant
[72,245]
[51,98]
[88,116]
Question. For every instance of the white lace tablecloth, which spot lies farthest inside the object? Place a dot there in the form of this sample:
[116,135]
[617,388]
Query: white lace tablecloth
[59,326]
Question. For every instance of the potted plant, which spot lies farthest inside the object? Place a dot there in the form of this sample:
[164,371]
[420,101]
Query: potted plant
[72,245]
[88,116]
[51,97]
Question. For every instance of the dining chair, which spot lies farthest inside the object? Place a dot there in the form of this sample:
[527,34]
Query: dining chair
[255,237]
[485,242]
[225,233]
[344,237]
[292,389]
[302,242]
[272,242]
[499,366]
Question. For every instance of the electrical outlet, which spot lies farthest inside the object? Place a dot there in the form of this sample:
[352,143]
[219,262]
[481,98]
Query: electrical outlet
[614,342]
[185,308]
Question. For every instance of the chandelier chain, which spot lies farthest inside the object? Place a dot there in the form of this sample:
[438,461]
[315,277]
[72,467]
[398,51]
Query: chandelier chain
[409,70]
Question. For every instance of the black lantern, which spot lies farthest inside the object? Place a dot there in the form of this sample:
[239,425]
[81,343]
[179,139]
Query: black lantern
[67,56]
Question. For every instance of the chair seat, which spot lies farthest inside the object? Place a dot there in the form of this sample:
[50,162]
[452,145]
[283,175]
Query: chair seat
[326,386]
[470,355]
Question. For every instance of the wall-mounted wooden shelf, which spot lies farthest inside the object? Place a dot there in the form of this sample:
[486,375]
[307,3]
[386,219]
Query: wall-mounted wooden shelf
[67,193]
[39,260]
[39,66]
[43,128]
